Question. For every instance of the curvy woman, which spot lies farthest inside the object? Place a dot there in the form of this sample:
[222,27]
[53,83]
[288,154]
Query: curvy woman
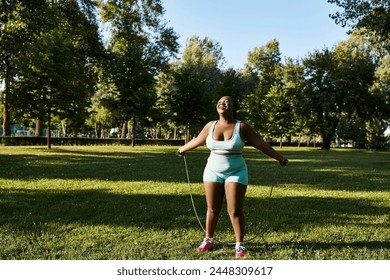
[226,172]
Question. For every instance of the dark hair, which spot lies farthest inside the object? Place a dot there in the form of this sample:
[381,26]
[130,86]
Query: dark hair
[235,106]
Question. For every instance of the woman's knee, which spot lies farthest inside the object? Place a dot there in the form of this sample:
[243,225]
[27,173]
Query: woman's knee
[214,210]
[236,213]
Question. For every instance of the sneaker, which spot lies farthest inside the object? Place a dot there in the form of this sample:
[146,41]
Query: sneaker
[206,245]
[240,251]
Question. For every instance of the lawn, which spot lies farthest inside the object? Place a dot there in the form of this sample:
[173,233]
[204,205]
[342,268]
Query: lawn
[118,202]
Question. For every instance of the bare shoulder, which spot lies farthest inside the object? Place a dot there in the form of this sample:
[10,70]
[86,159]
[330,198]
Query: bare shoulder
[208,125]
[244,129]
[244,126]
[249,134]
[206,128]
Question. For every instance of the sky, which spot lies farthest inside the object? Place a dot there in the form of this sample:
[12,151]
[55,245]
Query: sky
[239,26]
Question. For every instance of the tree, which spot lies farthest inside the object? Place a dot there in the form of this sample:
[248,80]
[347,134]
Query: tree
[337,82]
[18,22]
[57,70]
[292,81]
[264,65]
[373,15]
[318,102]
[194,82]
[379,105]
[141,45]
[280,102]
[351,129]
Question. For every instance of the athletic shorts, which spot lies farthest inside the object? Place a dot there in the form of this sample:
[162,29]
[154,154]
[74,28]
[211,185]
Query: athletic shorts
[226,168]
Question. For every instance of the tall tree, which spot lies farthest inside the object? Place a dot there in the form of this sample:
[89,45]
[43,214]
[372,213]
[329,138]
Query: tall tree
[141,45]
[373,15]
[379,107]
[194,83]
[280,102]
[57,71]
[337,84]
[18,22]
[318,101]
[264,65]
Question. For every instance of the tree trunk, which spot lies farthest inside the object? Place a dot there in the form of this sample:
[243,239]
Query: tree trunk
[281,141]
[299,140]
[6,108]
[48,132]
[38,127]
[187,139]
[64,129]
[133,132]
[98,129]
[328,134]
[124,130]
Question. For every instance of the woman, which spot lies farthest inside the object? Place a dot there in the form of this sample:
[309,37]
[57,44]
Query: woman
[226,172]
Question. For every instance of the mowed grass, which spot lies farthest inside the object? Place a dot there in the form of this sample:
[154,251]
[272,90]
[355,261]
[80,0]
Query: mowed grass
[117,202]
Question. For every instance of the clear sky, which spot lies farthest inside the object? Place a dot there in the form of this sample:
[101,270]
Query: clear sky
[300,26]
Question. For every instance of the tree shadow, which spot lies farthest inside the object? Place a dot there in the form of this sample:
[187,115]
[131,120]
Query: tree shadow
[33,213]
[30,209]
[126,166]
[328,170]
[26,208]
[318,169]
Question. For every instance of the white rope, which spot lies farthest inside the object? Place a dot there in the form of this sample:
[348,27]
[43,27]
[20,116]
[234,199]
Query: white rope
[192,199]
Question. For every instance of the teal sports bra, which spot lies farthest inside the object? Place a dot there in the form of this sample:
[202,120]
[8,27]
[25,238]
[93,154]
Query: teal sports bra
[233,145]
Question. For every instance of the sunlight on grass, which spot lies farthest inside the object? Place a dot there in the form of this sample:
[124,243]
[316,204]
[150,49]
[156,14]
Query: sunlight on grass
[106,202]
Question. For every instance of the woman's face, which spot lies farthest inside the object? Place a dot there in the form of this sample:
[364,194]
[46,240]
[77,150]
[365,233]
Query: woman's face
[225,104]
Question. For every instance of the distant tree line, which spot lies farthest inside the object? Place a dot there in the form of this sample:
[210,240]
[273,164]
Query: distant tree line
[58,73]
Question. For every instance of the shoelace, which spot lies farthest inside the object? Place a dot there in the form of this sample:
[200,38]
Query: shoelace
[239,249]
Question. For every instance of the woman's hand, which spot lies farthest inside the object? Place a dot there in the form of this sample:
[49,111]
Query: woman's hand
[283,161]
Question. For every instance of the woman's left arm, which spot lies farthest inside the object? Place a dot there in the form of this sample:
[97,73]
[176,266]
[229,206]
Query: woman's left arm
[254,139]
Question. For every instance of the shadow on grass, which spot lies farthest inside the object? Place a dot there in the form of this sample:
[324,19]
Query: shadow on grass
[355,171]
[124,166]
[30,209]
[337,245]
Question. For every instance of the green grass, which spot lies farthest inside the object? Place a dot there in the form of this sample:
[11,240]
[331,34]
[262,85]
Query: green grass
[117,202]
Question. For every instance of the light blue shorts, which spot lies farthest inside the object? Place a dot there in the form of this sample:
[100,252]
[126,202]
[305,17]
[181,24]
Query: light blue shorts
[226,168]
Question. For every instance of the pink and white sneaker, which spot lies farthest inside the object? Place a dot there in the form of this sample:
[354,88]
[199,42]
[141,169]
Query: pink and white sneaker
[206,245]
[240,251]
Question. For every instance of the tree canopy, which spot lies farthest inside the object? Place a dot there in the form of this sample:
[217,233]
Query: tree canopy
[57,72]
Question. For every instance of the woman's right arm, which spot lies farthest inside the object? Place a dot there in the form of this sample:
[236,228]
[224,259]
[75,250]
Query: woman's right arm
[197,141]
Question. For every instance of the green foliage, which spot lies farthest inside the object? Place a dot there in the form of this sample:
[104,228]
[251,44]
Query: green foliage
[16,25]
[192,87]
[338,83]
[53,63]
[351,129]
[140,47]
[52,71]
[371,15]
[100,203]
[264,63]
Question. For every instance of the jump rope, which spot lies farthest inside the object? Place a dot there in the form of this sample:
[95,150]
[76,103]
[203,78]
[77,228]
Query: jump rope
[265,214]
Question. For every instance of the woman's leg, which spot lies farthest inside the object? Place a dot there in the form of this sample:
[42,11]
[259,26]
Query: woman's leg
[214,198]
[235,194]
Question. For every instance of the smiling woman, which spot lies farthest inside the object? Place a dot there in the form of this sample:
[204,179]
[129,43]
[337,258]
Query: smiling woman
[226,173]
